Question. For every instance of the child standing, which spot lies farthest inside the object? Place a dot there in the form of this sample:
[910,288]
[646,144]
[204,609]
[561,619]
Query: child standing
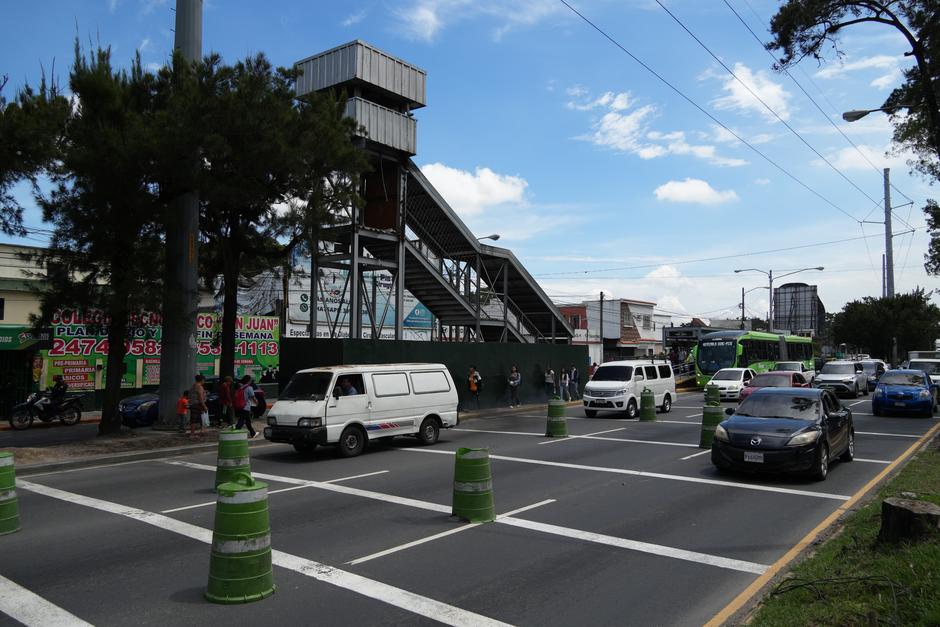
[182,410]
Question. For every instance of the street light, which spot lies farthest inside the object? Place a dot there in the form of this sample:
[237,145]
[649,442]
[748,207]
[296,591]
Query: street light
[743,292]
[770,277]
[857,114]
[494,237]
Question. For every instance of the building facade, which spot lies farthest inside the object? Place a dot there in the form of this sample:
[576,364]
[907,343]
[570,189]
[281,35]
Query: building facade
[798,309]
[631,328]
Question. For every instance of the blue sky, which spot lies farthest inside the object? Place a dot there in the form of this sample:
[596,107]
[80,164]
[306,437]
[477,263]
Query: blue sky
[541,130]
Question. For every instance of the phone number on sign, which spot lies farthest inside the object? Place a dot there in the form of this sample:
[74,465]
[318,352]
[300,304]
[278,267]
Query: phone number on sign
[89,346]
[241,348]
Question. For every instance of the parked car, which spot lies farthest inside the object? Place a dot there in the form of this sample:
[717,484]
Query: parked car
[904,391]
[785,430]
[731,381]
[617,385]
[930,366]
[773,380]
[142,410]
[843,377]
[874,368]
[795,366]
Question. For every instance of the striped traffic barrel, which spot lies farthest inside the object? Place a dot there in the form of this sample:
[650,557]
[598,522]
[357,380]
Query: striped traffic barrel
[557,425]
[647,405]
[473,486]
[711,416]
[240,563]
[233,455]
[712,395]
[9,509]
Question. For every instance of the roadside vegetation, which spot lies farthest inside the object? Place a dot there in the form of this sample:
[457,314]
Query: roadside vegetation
[854,580]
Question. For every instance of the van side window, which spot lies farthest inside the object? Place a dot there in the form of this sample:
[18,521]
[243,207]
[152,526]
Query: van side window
[665,372]
[429,382]
[650,372]
[349,385]
[390,384]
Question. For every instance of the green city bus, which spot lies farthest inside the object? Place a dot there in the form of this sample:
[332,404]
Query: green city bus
[747,349]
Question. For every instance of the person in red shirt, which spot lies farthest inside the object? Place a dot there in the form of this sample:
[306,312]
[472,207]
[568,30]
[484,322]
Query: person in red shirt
[225,401]
[182,410]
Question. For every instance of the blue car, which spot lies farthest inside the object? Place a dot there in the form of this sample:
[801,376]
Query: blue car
[904,392]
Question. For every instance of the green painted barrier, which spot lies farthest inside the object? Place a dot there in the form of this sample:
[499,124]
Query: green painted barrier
[711,416]
[233,456]
[712,395]
[9,508]
[557,425]
[473,486]
[240,563]
[647,405]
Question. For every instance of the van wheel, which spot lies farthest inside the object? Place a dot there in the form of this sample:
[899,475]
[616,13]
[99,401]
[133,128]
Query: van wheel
[305,449]
[631,409]
[429,432]
[352,441]
[590,413]
[667,404]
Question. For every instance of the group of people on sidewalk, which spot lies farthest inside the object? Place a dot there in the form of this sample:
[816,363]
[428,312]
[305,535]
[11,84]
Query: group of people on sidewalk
[567,386]
[236,402]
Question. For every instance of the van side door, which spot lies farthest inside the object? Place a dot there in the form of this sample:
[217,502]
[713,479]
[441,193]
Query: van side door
[653,383]
[393,407]
[348,402]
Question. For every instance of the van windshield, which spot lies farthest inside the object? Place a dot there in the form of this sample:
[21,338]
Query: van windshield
[613,373]
[307,386]
[831,368]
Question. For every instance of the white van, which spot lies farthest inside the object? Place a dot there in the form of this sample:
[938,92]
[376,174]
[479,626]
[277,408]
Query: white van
[616,386]
[349,405]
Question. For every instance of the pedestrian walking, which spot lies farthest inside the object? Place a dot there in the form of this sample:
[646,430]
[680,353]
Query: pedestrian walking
[197,407]
[182,410]
[592,370]
[474,385]
[225,402]
[243,402]
[574,378]
[549,382]
[563,385]
[515,380]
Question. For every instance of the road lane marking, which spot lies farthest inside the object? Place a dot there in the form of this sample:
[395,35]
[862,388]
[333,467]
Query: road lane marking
[872,461]
[587,435]
[409,601]
[748,593]
[692,416]
[296,487]
[31,609]
[893,435]
[654,475]
[443,534]
[681,422]
[857,402]
[541,434]
[587,536]
[696,454]
[686,406]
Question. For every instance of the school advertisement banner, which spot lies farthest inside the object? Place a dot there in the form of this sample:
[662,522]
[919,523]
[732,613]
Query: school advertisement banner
[80,349]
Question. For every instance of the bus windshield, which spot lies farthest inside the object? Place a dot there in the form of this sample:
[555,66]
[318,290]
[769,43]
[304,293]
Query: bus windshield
[713,355]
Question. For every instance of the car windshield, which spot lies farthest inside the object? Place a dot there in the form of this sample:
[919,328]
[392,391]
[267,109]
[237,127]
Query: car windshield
[759,405]
[713,355]
[930,367]
[903,378]
[728,375]
[788,365]
[870,367]
[838,369]
[307,386]
[613,373]
[770,381]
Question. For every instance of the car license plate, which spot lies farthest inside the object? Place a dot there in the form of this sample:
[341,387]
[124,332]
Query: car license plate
[751,456]
[899,403]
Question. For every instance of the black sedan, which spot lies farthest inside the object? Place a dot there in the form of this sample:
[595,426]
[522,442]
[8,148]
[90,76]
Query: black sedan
[785,430]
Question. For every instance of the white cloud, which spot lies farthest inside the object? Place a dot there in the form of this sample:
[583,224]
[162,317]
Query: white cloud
[425,19]
[762,181]
[354,18]
[888,81]
[738,98]
[145,45]
[849,159]
[472,193]
[881,62]
[610,100]
[694,191]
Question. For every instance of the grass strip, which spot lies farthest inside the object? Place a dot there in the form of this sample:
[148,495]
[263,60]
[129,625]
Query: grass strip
[851,579]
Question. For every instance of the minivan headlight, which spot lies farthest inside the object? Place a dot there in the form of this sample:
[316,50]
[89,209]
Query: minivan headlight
[807,437]
[272,420]
[721,434]
[309,422]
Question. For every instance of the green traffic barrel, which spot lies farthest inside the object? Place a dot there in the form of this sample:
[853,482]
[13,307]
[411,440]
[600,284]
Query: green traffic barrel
[473,486]
[9,509]
[711,416]
[233,456]
[647,405]
[712,395]
[240,563]
[557,425]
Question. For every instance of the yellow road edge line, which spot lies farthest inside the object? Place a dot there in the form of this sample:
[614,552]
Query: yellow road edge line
[748,593]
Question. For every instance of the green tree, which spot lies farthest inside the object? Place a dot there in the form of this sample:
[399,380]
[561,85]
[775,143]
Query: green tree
[932,257]
[871,323]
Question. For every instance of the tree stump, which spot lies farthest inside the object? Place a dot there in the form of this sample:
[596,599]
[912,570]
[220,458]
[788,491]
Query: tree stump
[904,519]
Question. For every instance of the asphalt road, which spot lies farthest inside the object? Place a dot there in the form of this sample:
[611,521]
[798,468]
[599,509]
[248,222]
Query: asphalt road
[625,525]
[48,434]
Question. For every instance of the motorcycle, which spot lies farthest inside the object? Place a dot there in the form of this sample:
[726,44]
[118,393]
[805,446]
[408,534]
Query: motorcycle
[39,405]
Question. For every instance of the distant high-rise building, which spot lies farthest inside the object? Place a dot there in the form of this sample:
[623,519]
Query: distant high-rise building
[798,309]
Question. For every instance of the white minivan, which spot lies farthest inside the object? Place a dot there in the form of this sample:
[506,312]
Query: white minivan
[616,386]
[349,405]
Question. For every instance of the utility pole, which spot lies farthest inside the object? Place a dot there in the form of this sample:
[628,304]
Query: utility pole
[884,284]
[889,248]
[742,308]
[770,306]
[181,290]
[602,327]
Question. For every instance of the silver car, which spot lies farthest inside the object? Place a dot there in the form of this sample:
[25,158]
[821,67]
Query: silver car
[843,377]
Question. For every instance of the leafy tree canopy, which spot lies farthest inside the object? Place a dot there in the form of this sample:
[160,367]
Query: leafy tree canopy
[871,323]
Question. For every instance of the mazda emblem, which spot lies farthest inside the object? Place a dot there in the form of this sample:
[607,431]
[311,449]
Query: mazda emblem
[756,441]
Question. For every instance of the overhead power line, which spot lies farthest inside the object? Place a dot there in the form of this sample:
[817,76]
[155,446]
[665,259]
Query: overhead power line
[706,112]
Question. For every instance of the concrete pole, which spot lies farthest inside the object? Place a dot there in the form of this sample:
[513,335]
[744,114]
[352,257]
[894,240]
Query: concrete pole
[889,248]
[181,289]
[770,306]
[602,327]
[742,315]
